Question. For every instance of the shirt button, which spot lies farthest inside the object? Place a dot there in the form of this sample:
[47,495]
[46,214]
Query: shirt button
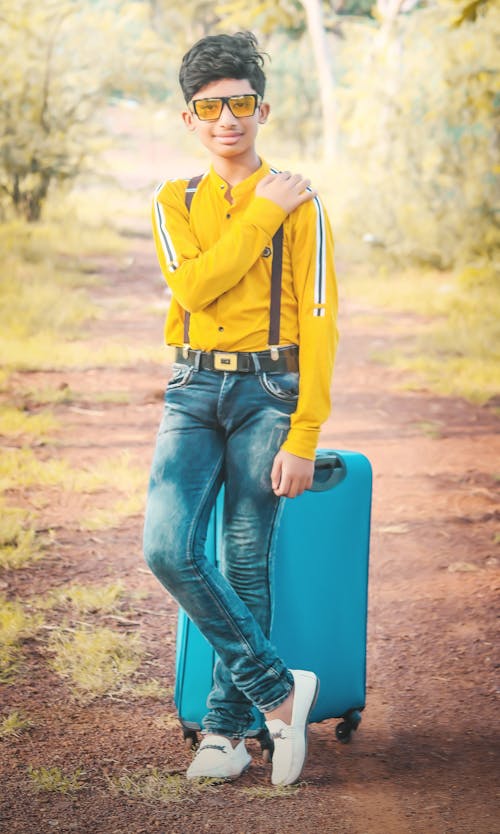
[221,329]
[228,216]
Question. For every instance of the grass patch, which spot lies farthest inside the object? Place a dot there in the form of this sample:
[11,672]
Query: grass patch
[39,299]
[22,468]
[155,785]
[14,724]
[102,518]
[87,598]
[4,379]
[456,351]
[53,780]
[96,662]
[19,543]
[429,428]
[15,422]
[15,626]
[148,689]
[48,353]
[62,395]
[65,395]
[476,380]
[47,270]
[168,721]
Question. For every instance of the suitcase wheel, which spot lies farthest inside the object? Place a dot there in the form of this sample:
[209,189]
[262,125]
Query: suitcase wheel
[266,745]
[345,729]
[190,738]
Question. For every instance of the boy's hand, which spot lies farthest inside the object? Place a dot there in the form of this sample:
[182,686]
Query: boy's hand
[286,189]
[291,475]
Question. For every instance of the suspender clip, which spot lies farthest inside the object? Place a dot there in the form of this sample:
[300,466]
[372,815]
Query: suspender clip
[275,354]
[185,350]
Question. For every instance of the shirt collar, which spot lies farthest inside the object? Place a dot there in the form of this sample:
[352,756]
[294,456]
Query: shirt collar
[245,186]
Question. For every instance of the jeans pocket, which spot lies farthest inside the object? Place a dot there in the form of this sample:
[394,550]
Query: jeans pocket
[283,387]
[181,375]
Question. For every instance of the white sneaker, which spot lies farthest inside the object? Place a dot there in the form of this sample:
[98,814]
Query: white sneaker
[290,740]
[217,758]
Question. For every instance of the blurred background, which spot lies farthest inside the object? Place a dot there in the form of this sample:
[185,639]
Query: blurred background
[389,107]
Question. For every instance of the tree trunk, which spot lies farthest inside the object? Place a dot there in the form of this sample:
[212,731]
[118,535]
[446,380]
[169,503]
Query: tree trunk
[317,33]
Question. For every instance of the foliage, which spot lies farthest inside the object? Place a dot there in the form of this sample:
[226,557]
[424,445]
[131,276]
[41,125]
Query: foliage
[62,60]
[418,115]
[184,25]
[266,17]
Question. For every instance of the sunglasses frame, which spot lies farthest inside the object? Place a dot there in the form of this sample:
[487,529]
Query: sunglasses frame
[226,100]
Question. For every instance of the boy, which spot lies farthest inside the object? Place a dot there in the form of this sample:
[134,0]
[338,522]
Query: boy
[236,410]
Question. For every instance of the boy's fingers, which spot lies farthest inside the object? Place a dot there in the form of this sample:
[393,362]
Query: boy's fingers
[268,178]
[276,473]
[284,486]
[306,195]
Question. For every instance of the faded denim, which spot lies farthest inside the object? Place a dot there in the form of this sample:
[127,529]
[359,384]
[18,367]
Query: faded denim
[223,427]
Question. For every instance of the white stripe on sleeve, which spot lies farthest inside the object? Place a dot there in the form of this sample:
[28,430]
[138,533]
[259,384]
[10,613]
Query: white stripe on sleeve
[164,237]
[320,268]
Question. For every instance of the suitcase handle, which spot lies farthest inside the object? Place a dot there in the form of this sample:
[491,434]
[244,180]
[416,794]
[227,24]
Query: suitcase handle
[329,470]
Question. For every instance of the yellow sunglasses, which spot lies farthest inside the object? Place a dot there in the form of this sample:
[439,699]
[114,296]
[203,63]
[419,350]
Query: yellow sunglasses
[210,109]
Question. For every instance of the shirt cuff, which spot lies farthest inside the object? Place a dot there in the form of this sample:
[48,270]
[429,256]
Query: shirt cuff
[265,214]
[302,442]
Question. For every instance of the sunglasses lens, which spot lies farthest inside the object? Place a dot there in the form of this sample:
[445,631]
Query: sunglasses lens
[208,108]
[242,106]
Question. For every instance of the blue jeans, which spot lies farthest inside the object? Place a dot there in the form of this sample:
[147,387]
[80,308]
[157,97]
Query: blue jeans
[223,427]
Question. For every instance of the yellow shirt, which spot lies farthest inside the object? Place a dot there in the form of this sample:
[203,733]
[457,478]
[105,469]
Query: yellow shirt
[216,262]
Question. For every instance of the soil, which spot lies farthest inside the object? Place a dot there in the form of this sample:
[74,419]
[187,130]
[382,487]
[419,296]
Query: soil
[425,757]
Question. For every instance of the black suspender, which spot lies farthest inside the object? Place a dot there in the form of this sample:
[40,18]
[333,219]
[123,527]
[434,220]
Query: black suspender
[275,308]
[188,199]
[276,272]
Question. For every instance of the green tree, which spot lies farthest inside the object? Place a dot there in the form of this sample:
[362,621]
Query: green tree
[61,62]
[419,127]
[322,21]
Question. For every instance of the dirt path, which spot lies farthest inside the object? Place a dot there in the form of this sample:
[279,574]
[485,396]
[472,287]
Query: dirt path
[424,758]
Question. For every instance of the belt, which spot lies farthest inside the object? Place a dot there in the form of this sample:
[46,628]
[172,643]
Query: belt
[216,360]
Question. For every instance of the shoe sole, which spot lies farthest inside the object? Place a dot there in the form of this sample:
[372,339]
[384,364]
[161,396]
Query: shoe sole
[221,778]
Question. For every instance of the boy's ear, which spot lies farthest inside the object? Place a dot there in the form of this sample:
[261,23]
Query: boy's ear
[188,119]
[264,111]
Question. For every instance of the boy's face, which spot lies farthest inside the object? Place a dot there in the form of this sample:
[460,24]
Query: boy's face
[228,136]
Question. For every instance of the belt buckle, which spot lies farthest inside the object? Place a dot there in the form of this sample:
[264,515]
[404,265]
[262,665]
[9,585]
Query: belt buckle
[225,361]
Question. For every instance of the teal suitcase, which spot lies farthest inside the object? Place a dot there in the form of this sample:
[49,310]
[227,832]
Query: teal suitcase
[320,608]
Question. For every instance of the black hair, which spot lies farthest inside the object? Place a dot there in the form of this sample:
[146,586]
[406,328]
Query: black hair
[222,56]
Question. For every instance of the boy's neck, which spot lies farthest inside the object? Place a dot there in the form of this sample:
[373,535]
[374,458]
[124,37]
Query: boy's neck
[237,169]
